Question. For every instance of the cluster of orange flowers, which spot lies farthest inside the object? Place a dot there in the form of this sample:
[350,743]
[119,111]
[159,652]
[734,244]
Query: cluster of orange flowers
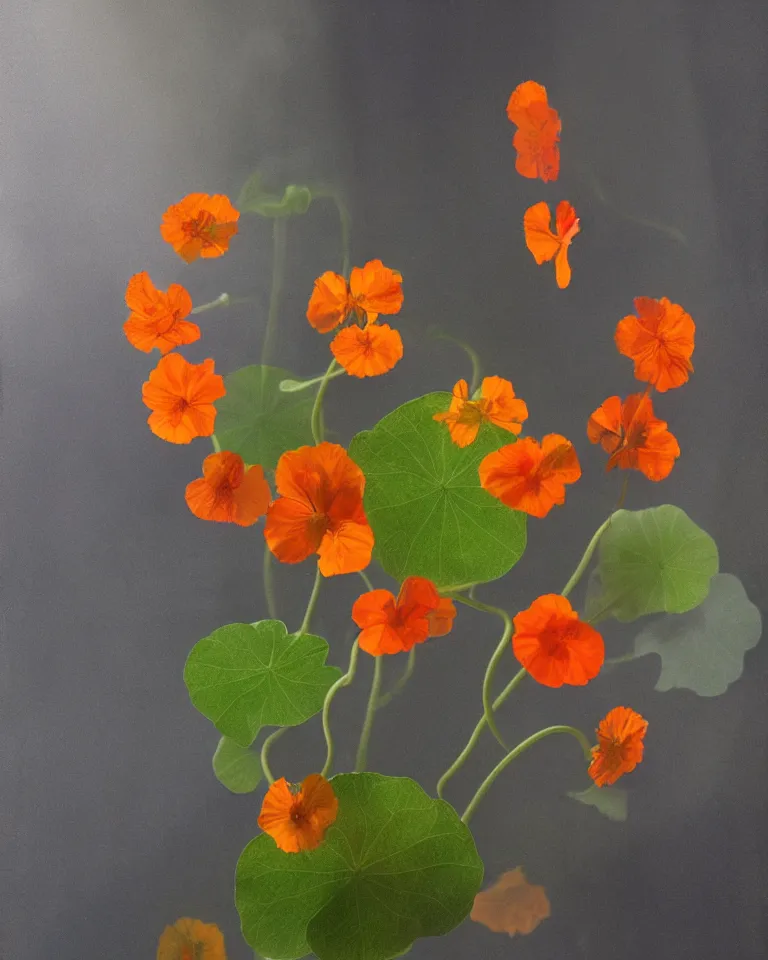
[538,155]
[660,342]
[179,394]
[530,476]
[364,348]
[318,506]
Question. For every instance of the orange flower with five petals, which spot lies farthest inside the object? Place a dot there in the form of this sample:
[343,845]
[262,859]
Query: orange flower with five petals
[320,510]
[372,289]
[157,317]
[190,939]
[181,397]
[530,477]
[367,351]
[497,404]
[544,244]
[392,624]
[633,436]
[538,132]
[298,820]
[554,645]
[200,225]
[619,745]
[227,492]
[660,340]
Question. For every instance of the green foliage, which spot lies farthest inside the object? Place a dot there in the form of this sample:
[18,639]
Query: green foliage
[257,420]
[246,676]
[651,561]
[396,865]
[423,499]
[610,801]
[238,768]
[253,198]
[703,650]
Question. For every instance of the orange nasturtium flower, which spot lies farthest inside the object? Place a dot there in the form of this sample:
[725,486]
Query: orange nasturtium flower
[538,132]
[619,745]
[496,404]
[298,821]
[200,225]
[190,939]
[659,340]
[320,510]
[372,289]
[633,436]
[181,397]
[544,244]
[512,905]
[367,351]
[157,316]
[554,645]
[227,492]
[529,477]
[392,624]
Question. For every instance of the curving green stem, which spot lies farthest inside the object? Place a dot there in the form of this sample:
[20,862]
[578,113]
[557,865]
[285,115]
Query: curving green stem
[223,300]
[343,681]
[459,762]
[366,579]
[385,698]
[474,359]
[486,785]
[498,655]
[332,194]
[279,246]
[370,713]
[265,748]
[344,223]
[312,602]
[295,386]
[316,420]
[472,742]
[584,562]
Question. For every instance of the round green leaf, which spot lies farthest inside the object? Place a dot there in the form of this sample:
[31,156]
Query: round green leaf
[257,420]
[651,561]
[395,866]
[246,676]
[238,768]
[423,498]
[610,801]
[703,650]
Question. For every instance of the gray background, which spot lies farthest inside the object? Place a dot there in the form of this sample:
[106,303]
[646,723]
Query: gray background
[112,822]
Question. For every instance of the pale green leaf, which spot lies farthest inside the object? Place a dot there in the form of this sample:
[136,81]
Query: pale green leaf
[397,865]
[246,676]
[651,561]
[703,650]
[423,498]
[238,768]
[610,801]
[257,420]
